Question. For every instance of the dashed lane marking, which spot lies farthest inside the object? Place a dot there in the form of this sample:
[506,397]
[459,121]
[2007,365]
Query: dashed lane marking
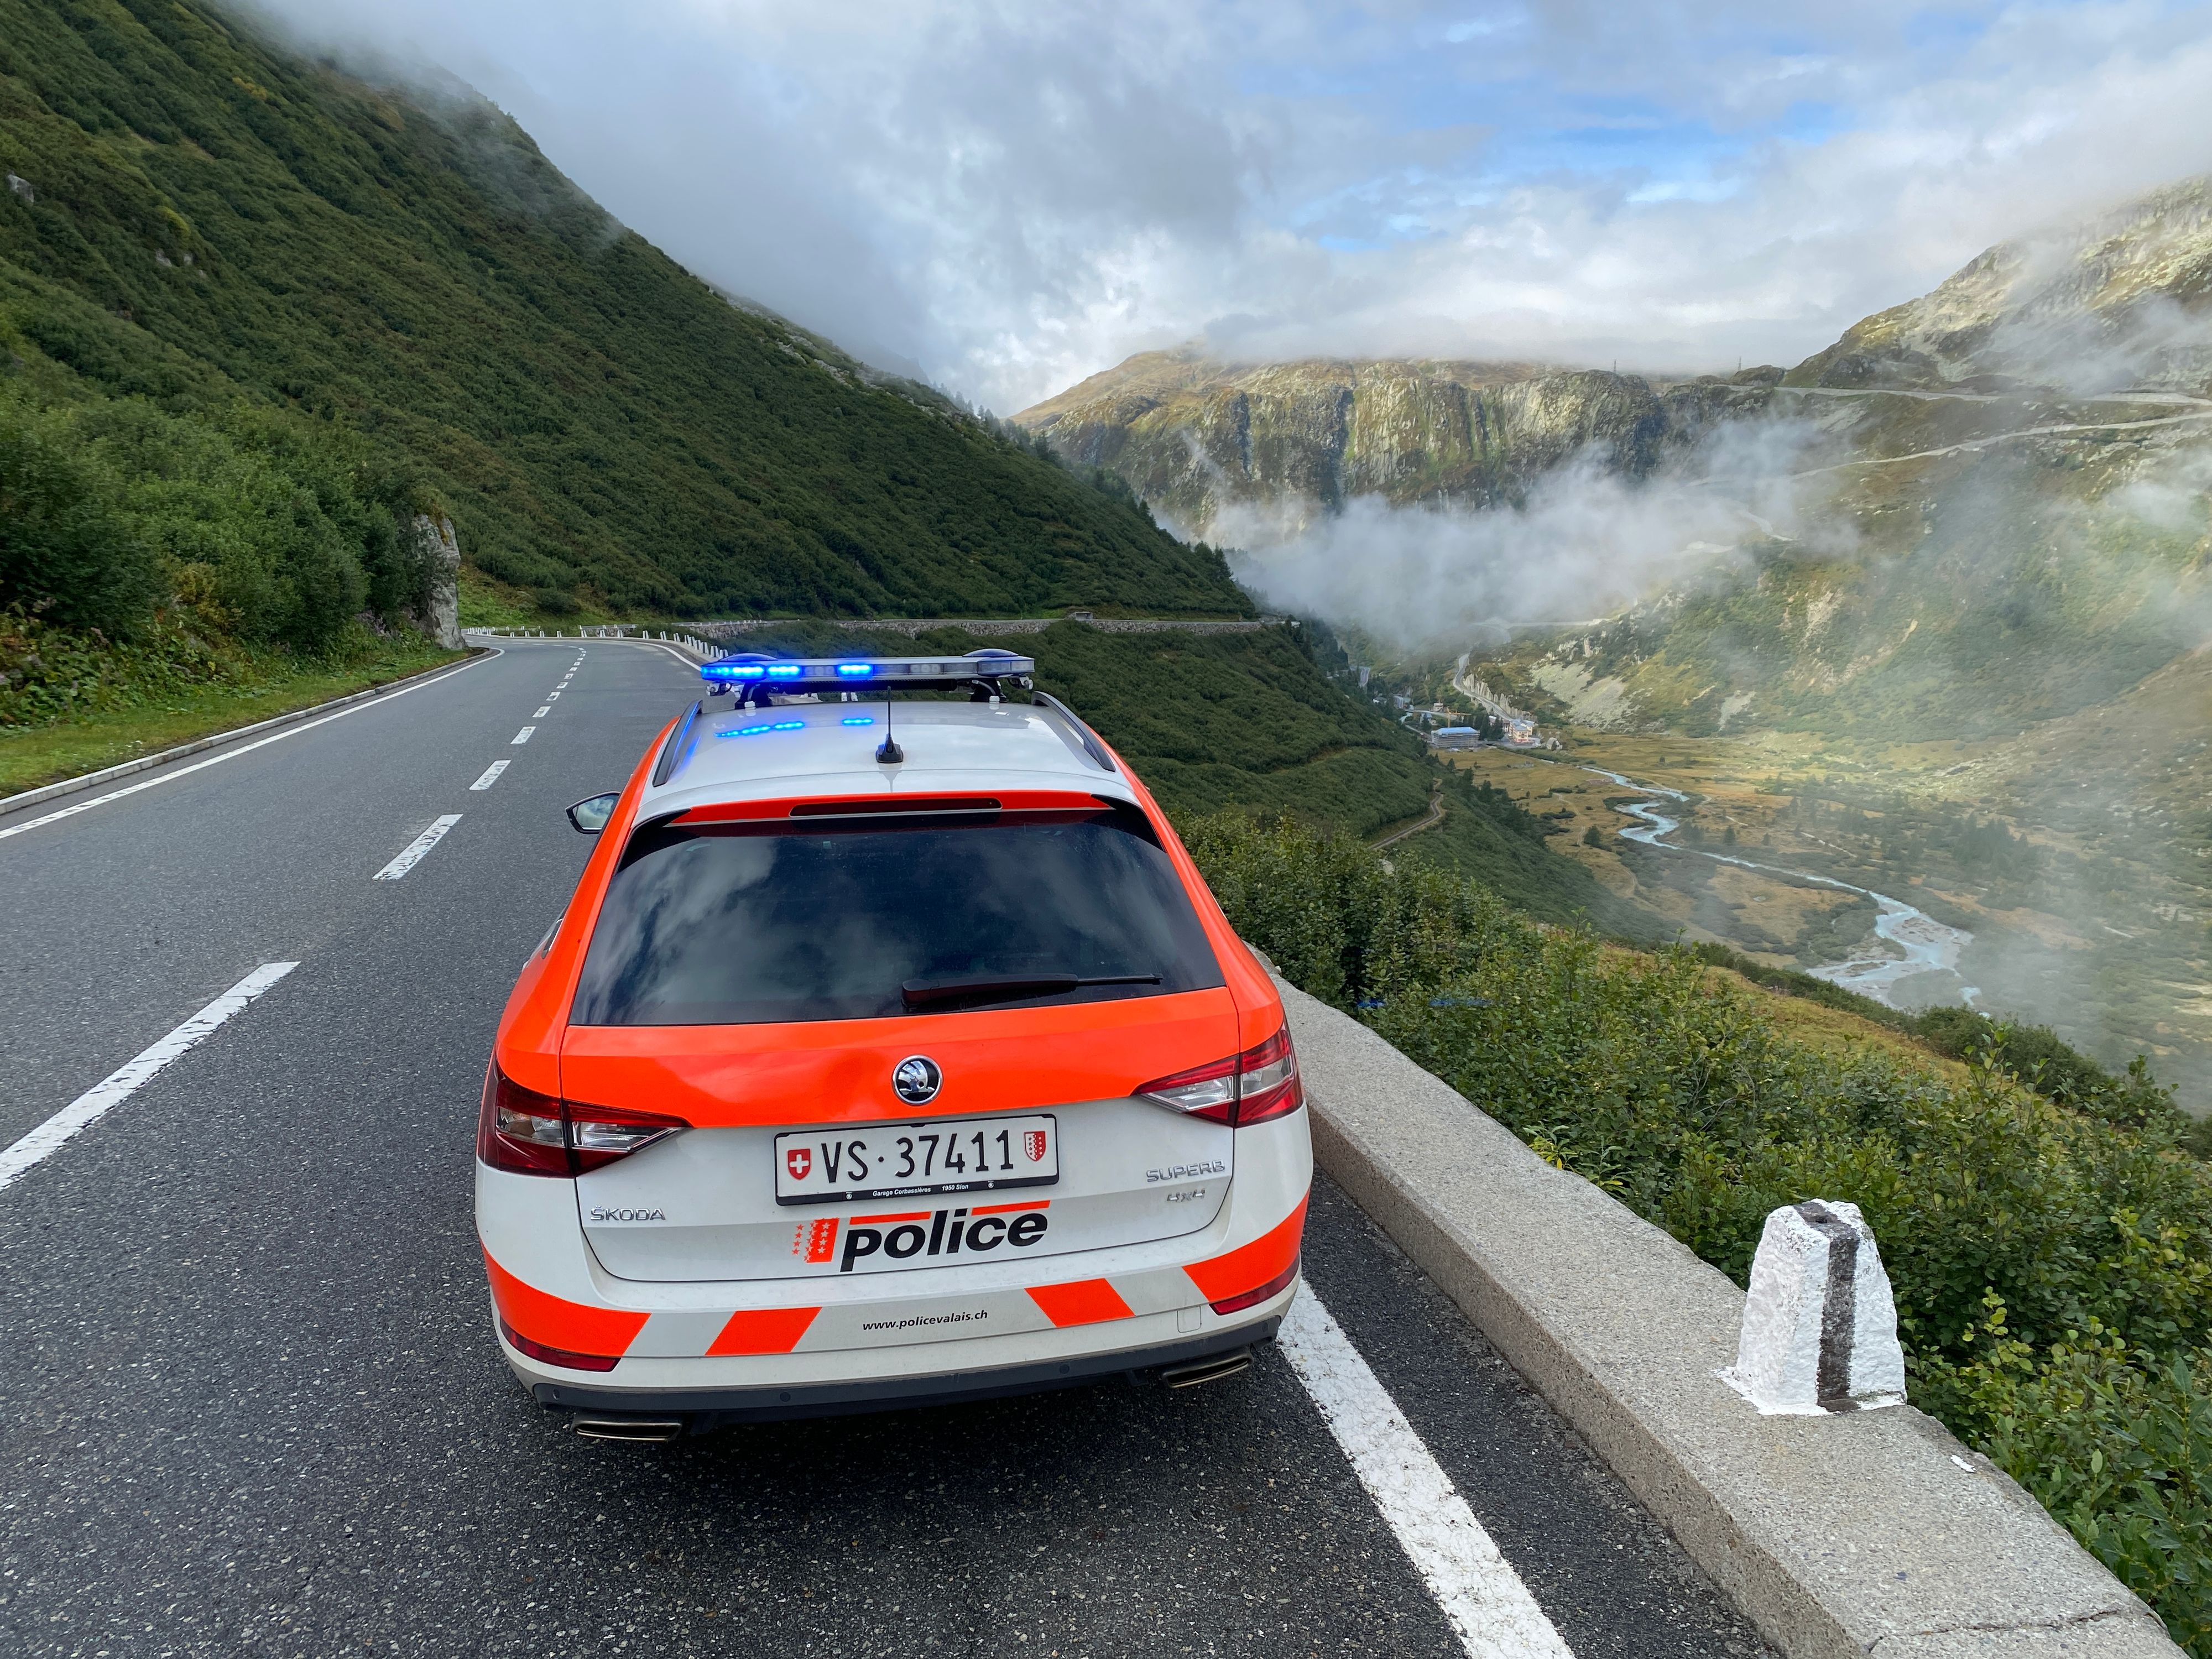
[543,712]
[70,811]
[491,775]
[1481,1595]
[416,848]
[111,1091]
[521,737]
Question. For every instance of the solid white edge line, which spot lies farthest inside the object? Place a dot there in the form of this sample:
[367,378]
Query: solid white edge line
[1479,1592]
[412,855]
[491,775]
[521,737]
[71,811]
[95,1102]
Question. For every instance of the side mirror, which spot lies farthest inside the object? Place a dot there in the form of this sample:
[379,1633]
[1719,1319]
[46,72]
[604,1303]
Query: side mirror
[590,817]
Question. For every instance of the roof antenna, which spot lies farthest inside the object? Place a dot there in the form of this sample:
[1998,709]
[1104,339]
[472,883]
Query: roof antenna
[888,753]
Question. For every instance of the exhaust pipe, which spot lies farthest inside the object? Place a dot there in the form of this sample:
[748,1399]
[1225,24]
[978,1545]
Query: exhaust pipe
[1212,1369]
[639,1431]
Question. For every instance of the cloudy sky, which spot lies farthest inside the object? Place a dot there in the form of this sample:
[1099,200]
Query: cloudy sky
[1013,194]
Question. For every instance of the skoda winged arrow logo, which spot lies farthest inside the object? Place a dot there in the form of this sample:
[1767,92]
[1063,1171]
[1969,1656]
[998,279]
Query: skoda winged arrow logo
[916,1079]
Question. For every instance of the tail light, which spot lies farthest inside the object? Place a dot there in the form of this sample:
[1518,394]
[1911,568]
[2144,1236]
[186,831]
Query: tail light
[553,1356]
[1259,1293]
[525,1132]
[1260,1084]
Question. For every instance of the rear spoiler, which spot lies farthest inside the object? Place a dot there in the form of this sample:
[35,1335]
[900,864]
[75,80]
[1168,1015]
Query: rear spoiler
[666,764]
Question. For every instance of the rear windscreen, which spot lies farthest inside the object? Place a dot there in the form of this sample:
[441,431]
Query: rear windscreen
[743,925]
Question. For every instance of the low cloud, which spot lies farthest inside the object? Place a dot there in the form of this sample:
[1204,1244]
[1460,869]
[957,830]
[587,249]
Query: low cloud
[1585,543]
[1014,196]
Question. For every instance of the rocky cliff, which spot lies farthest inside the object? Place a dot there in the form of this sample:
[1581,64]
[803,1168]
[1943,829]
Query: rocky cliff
[1192,433]
[2026,331]
[2119,302]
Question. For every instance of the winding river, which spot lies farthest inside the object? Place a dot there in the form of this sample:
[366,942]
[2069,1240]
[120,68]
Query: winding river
[1926,945]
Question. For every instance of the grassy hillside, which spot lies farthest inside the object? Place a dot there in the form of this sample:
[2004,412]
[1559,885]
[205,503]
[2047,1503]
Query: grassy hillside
[203,219]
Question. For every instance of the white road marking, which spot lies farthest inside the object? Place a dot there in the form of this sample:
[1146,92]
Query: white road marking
[416,848]
[542,713]
[111,1091]
[70,811]
[554,692]
[491,775]
[1480,1593]
[521,737]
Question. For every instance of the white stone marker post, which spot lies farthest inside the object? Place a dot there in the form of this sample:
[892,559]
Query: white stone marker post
[1820,1326]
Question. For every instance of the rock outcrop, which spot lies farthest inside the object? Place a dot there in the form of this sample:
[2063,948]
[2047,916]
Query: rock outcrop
[1193,434]
[2123,301]
[442,554]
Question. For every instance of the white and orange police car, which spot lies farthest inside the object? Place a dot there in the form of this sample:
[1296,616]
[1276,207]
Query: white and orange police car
[887,1053]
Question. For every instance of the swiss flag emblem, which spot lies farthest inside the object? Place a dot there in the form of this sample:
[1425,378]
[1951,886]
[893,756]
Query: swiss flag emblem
[798,1160]
[1033,1146]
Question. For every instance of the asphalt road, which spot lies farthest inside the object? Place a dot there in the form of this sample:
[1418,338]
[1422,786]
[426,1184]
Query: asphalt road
[252,1403]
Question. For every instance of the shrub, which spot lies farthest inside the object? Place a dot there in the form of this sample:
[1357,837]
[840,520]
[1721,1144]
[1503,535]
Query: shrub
[2052,1265]
[65,551]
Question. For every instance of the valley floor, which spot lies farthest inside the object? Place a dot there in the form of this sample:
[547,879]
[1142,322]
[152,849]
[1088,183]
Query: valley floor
[2074,854]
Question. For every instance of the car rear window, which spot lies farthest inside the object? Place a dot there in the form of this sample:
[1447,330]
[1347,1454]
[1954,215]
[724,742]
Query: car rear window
[750,924]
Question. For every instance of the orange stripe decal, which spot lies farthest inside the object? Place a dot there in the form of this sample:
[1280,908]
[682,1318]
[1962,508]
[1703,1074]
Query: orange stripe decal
[904,1215]
[1251,1264]
[559,1323]
[1008,1209]
[762,1330]
[1085,1302]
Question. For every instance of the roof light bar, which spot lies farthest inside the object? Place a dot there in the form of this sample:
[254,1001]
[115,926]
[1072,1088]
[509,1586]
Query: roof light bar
[747,670]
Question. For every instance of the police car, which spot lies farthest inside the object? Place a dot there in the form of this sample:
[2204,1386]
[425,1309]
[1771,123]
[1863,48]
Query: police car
[888,1052]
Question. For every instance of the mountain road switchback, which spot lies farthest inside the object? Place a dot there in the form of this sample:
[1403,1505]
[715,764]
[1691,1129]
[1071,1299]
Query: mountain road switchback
[254,1403]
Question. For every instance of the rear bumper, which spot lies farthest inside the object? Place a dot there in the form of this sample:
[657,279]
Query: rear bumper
[699,1409]
[580,1340]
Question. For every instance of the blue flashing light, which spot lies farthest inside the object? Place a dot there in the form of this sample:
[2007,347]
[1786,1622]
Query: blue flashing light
[751,674]
[858,719]
[762,730]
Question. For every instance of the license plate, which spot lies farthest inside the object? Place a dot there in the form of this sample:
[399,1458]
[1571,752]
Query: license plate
[899,1160]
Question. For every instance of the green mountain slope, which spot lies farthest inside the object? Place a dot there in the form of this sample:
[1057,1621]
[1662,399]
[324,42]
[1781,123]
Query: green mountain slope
[200,216]
[255,315]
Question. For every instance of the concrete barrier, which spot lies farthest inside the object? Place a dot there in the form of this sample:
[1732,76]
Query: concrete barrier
[1874,1533]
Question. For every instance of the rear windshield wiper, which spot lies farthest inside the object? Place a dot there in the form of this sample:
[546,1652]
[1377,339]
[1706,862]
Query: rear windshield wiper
[1007,987]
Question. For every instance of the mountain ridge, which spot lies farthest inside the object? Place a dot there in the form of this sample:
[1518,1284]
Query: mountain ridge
[2118,302]
[1193,434]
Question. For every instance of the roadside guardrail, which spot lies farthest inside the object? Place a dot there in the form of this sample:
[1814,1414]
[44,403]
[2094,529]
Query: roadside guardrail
[1867,1533]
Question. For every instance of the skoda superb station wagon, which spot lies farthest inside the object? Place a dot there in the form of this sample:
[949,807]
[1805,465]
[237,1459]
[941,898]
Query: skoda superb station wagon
[887,1053]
